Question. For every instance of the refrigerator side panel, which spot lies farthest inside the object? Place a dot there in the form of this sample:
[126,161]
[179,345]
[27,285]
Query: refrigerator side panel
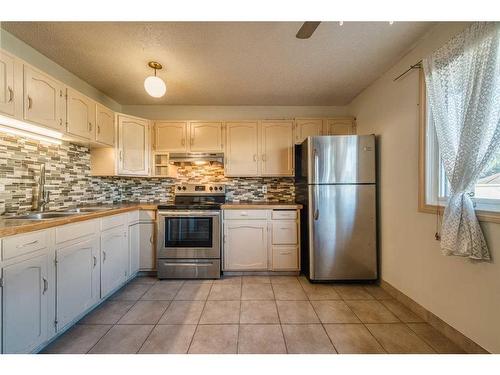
[342,232]
[344,159]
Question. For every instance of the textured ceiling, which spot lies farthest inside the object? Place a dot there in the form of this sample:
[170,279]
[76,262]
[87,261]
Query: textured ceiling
[217,63]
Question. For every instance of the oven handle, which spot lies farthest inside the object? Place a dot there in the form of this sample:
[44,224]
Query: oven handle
[189,213]
[200,264]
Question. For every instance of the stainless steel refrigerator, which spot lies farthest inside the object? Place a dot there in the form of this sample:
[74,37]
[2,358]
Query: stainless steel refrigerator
[336,183]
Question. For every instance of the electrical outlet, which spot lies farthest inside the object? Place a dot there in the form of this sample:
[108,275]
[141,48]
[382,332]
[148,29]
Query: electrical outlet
[264,189]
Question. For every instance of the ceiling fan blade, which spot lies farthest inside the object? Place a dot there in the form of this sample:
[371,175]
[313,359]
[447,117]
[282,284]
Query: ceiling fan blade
[307,29]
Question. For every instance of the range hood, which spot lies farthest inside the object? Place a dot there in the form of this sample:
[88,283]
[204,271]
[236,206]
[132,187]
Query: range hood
[196,158]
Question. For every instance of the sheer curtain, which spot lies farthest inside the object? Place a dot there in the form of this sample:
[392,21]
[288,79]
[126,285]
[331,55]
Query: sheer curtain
[463,89]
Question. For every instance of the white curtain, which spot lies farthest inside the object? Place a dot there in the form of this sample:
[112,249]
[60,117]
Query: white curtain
[463,90]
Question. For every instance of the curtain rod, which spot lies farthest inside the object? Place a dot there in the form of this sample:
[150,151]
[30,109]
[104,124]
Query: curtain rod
[417,65]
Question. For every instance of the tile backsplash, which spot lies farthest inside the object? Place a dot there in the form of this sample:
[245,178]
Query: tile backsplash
[69,181]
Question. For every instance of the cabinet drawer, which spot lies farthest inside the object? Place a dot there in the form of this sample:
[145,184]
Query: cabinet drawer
[24,243]
[284,233]
[285,258]
[246,214]
[113,221]
[78,230]
[284,214]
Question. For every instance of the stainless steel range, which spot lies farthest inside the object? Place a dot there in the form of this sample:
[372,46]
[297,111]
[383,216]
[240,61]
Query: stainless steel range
[189,233]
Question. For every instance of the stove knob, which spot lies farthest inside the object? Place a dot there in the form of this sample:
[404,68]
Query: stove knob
[211,188]
[178,188]
[220,188]
[183,188]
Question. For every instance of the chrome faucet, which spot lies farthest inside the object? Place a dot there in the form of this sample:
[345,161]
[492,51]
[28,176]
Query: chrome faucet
[42,197]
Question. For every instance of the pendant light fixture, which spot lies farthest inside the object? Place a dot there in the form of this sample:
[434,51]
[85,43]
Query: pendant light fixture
[154,85]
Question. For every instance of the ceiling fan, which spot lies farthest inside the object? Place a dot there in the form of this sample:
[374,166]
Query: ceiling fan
[307,29]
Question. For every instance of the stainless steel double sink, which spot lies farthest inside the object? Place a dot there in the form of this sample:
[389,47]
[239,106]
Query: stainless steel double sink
[56,214]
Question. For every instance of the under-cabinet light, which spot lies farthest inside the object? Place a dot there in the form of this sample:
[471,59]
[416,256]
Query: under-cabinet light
[23,129]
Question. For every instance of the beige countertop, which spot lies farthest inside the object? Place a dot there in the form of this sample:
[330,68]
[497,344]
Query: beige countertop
[9,227]
[260,205]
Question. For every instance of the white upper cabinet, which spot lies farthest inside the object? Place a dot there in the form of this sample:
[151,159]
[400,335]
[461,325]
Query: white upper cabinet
[133,146]
[25,305]
[205,137]
[171,136]
[80,112]
[104,125]
[277,147]
[242,149]
[341,126]
[307,128]
[7,98]
[44,102]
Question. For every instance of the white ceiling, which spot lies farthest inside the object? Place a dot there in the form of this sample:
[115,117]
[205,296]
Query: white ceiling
[217,63]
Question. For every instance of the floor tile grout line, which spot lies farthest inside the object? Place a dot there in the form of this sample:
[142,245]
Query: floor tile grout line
[199,319]
[279,319]
[100,338]
[372,335]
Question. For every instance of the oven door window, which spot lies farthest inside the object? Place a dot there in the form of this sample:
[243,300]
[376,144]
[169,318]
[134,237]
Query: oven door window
[188,231]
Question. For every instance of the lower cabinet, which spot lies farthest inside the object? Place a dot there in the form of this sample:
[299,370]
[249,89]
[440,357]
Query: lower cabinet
[25,304]
[245,245]
[114,259]
[134,247]
[147,261]
[77,275]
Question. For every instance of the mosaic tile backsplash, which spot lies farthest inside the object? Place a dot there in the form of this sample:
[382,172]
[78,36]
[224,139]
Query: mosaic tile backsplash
[69,181]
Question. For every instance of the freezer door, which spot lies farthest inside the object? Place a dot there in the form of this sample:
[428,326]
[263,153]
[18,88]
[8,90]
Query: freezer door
[341,159]
[342,232]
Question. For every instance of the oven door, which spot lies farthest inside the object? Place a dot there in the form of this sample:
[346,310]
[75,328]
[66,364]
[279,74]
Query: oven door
[189,234]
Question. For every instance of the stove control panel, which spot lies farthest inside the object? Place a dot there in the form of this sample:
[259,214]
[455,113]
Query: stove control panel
[200,189]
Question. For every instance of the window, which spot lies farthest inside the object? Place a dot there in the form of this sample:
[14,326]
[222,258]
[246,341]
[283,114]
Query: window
[434,187]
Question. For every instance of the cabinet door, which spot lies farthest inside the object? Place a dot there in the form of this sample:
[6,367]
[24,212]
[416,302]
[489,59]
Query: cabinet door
[77,273]
[171,136]
[25,305]
[277,148]
[43,99]
[80,115]
[205,136]
[341,126]
[307,128]
[147,260]
[245,245]
[104,125]
[242,149]
[133,146]
[114,259]
[134,247]
[7,105]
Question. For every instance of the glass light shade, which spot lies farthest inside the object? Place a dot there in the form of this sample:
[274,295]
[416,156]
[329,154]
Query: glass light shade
[155,86]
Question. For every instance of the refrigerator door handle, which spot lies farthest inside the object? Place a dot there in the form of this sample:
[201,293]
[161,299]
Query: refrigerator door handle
[316,164]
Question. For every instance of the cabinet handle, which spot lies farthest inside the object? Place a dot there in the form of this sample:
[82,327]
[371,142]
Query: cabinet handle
[60,122]
[263,157]
[95,260]
[103,256]
[192,141]
[254,157]
[121,155]
[151,239]
[90,126]
[11,94]
[183,141]
[98,129]
[27,244]
[30,102]
[45,285]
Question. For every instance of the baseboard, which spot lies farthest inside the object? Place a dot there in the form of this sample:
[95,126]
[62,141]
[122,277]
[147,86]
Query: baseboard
[468,345]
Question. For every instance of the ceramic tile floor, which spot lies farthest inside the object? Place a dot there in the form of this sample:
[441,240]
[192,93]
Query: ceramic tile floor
[251,314]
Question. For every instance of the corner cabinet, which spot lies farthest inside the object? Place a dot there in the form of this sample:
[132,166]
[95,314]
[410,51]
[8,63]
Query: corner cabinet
[242,149]
[44,99]
[133,146]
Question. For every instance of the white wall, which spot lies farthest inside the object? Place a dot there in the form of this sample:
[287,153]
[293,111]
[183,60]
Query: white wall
[463,293]
[25,52]
[193,112]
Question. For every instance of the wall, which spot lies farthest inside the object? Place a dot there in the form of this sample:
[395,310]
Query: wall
[22,50]
[463,293]
[192,112]
[69,182]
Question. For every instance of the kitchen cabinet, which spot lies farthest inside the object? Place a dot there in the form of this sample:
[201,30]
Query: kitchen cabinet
[341,126]
[170,136]
[133,146]
[205,137]
[7,97]
[114,259]
[242,149]
[80,115]
[277,148]
[104,125]
[307,127]
[142,240]
[44,101]
[245,245]
[25,302]
[134,247]
[147,261]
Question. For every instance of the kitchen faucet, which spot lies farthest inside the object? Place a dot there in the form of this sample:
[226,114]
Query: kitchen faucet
[42,197]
